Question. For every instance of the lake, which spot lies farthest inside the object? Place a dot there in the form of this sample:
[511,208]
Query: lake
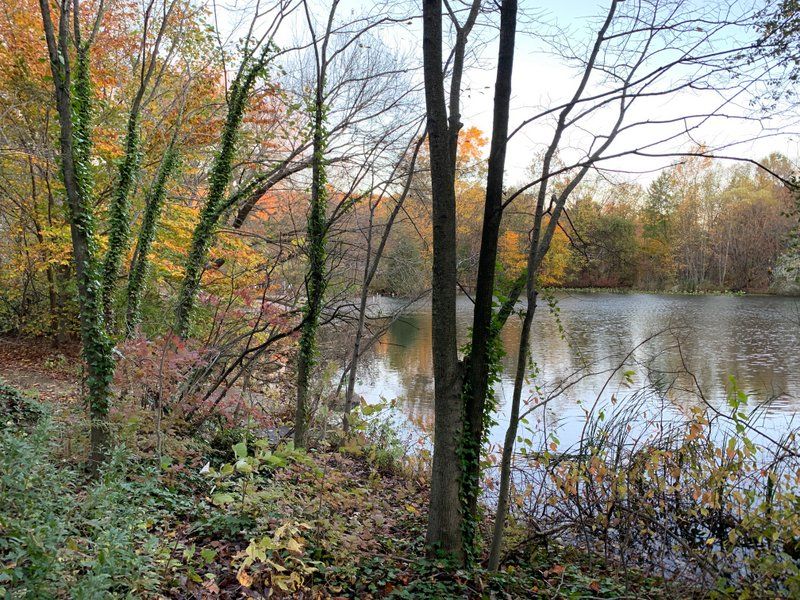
[705,339]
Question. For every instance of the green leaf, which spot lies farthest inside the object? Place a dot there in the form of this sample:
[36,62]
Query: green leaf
[240,450]
[273,460]
[222,499]
[208,554]
[242,466]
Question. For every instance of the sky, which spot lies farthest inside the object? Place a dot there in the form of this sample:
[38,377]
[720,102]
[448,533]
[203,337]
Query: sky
[543,79]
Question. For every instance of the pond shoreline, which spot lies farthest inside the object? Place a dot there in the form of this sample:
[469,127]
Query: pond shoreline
[633,290]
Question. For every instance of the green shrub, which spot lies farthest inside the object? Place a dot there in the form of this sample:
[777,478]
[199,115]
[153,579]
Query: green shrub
[38,498]
[17,408]
[61,536]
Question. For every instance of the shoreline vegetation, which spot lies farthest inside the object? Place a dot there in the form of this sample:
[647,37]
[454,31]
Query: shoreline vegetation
[666,292]
[698,510]
[335,521]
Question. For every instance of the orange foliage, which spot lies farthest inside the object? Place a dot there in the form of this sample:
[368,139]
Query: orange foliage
[512,251]
[471,144]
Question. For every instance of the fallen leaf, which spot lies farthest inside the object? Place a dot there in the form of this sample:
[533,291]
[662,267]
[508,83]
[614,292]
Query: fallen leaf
[244,578]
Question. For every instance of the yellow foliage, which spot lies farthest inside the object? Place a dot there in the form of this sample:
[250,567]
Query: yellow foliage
[512,251]
[554,267]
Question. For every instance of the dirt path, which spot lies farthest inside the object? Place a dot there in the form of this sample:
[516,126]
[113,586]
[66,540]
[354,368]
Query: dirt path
[32,364]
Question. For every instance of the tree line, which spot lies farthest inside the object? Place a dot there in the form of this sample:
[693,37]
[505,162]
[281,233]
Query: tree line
[696,226]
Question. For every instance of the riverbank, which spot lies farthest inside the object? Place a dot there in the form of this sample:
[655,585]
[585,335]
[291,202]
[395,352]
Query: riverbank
[667,292]
[232,510]
[237,516]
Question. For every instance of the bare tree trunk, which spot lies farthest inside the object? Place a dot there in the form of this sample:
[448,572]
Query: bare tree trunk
[49,272]
[444,515]
[57,274]
[541,238]
[351,376]
[511,433]
[370,269]
[362,313]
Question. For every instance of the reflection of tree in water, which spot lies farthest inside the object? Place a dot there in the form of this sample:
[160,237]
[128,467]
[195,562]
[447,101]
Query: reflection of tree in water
[399,366]
[409,352]
[749,338]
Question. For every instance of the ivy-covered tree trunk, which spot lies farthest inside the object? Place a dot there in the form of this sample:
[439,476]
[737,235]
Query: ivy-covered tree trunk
[129,167]
[119,214]
[316,228]
[316,279]
[154,201]
[482,363]
[219,178]
[73,103]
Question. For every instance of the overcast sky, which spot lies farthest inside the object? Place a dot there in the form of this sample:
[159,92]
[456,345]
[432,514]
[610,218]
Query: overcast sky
[541,79]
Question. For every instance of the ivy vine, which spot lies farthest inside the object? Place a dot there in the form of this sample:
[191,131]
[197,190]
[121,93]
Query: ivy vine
[154,201]
[221,171]
[316,281]
[97,345]
[119,212]
[470,450]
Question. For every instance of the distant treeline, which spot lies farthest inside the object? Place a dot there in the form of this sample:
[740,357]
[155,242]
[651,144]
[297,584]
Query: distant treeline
[698,226]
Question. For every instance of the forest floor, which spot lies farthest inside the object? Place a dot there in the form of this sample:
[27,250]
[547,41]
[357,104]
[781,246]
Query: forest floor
[35,365]
[226,519]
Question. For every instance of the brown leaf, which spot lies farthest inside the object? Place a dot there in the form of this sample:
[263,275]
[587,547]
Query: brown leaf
[244,578]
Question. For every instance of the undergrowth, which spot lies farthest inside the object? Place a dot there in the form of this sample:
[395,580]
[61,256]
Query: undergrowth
[345,520]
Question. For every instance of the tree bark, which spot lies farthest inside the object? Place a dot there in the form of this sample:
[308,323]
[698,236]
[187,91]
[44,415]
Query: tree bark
[154,201]
[75,145]
[362,314]
[511,435]
[482,330]
[370,269]
[129,167]
[205,230]
[316,277]
[444,515]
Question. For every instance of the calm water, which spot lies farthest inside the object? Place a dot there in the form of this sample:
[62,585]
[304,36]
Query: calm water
[754,339]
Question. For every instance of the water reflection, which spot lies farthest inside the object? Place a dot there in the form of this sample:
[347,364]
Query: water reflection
[754,339]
